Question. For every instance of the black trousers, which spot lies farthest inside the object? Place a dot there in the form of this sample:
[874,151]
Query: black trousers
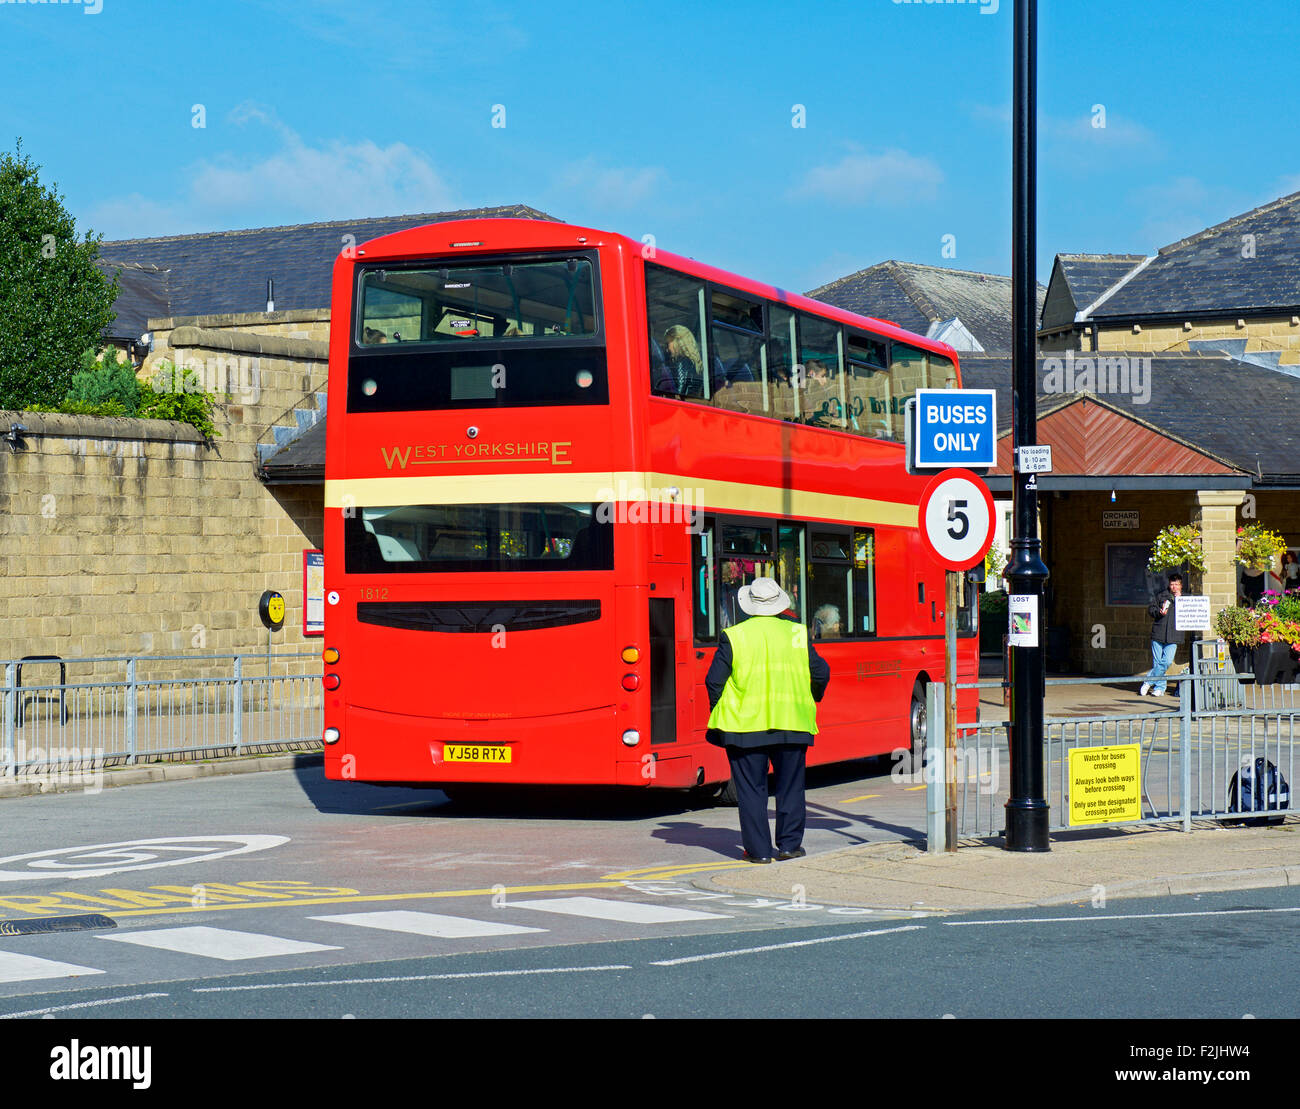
[749,773]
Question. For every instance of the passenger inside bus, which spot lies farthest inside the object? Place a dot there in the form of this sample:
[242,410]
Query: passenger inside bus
[826,623]
[684,366]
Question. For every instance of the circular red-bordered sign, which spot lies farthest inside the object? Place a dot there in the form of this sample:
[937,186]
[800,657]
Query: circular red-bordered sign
[956,519]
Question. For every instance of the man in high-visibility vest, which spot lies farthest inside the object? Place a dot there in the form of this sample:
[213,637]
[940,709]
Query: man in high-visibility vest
[764,685]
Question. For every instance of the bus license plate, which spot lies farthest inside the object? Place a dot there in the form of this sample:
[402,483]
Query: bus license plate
[459,753]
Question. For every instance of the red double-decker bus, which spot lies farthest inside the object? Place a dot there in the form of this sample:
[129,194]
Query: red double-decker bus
[553,457]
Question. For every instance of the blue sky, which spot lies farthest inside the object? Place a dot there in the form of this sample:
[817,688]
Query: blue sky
[668,119]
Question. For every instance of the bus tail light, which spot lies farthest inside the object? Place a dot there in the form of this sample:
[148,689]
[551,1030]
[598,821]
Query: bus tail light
[631,682]
[330,655]
[332,735]
[631,737]
[332,681]
[631,655]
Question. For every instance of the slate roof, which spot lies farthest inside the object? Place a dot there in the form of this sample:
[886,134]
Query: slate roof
[915,296]
[301,462]
[226,271]
[141,295]
[1219,270]
[1206,401]
[1089,275]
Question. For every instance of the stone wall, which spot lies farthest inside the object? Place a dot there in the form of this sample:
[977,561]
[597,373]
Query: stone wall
[301,323]
[126,536]
[1262,333]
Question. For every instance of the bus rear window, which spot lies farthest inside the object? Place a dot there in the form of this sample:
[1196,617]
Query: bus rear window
[473,538]
[462,303]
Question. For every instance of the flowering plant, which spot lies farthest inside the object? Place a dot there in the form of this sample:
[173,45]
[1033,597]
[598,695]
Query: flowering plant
[1273,629]
[1176,545]
[1257,547]
[1238,625]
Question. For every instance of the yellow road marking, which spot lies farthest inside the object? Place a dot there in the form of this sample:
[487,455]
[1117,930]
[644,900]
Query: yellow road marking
[864,797]
[210,908]
[913,789]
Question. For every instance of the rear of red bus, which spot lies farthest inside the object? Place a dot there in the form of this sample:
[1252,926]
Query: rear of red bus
[482,609]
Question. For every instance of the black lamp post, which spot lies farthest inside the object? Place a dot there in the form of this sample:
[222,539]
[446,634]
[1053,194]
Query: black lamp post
[1026,809]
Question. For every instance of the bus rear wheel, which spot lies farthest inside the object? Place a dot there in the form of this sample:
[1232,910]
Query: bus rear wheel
[918,729]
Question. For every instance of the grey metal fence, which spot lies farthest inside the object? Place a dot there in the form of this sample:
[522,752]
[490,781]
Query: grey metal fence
[73,715]
[1196,762]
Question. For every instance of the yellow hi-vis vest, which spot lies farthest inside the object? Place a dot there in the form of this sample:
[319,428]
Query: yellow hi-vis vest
[770,685]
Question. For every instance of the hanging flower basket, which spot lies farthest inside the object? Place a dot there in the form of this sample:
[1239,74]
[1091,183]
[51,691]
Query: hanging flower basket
[1175,546]
[1257,547]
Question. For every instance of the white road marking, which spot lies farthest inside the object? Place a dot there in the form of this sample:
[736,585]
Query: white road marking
[429,924]
[599,908]
[99,859]
[80,1005]
[218,943]
[1108,916]
[784,946]
[25,968]
[408,978]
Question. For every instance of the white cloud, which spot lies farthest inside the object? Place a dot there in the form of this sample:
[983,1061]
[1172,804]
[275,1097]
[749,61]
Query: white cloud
[295,183]
[891,177]
[609,186]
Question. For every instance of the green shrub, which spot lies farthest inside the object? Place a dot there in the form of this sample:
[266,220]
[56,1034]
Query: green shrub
[103,380]
[179,395]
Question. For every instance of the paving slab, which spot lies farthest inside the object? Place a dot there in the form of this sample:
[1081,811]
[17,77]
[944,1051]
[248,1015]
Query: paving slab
[1134,862]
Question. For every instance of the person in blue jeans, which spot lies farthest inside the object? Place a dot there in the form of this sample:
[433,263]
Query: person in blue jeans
[1164,636]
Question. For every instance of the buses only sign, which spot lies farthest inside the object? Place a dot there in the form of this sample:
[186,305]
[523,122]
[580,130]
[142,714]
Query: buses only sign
[955,427]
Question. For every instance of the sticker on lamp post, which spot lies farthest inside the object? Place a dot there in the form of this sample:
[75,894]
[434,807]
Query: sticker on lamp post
[1022,620]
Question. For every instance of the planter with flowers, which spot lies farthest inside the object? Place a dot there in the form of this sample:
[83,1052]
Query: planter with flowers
[1264,640]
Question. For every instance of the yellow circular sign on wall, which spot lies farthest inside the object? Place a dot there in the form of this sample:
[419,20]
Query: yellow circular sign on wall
[271,610]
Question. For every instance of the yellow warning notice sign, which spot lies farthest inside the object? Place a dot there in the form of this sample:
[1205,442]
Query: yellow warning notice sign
[1105,784]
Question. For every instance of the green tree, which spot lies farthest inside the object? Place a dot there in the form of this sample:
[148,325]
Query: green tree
[54,301]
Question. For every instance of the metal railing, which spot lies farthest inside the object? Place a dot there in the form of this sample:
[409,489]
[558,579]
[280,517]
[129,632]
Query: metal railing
[121,710]
[1196,763]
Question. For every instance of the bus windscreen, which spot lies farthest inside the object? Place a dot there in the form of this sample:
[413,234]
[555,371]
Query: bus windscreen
[460,303]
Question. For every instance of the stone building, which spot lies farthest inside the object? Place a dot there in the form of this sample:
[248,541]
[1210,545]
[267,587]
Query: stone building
[137,537]
[1234,287]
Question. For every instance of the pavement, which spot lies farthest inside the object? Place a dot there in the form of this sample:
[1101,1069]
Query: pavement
[1079,868]
[1082,866]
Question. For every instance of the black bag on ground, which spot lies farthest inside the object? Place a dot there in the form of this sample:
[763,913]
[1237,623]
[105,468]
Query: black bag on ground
[1256,788]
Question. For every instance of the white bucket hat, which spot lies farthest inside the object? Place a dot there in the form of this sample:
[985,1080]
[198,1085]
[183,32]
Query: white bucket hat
[763,597]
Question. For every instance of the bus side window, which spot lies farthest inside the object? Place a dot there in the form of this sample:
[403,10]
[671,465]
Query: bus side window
[906,376]
[678,341]
[863,617]
[866,387]
[822,403]
[782,402]
[702,577]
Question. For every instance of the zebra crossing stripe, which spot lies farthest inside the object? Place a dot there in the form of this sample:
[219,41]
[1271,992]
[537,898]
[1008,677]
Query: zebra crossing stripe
[429,924]
[26,968]
[601,908]
[218,943]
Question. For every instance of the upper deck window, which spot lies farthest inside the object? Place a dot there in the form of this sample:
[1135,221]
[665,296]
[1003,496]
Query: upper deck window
[460,303]
[715,345]
[480,334]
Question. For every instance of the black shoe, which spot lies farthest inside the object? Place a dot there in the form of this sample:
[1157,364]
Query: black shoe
[751,859]
[797,853]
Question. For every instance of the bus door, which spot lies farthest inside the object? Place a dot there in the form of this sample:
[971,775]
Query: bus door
[672,687]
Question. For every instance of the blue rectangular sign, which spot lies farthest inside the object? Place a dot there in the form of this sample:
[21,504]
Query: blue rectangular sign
[955,427]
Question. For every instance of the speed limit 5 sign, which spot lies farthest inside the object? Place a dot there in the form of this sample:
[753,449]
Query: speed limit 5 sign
[956,519]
